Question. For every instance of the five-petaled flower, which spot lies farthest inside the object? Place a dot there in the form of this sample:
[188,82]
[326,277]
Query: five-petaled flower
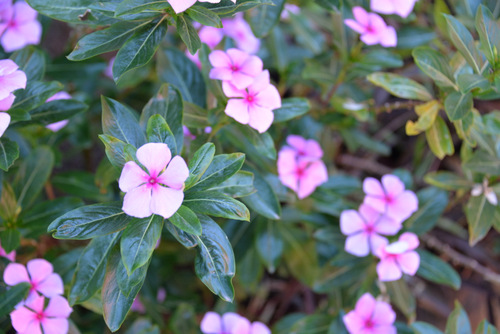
[370,317]
[40,275]
[18,26]
[235,66]
[33,316]
[231,323]
[398,258]
[160,190]
[372,28]
[402,8]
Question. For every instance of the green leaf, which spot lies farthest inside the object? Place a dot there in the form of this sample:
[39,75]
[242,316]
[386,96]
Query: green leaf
[261,143]
[175,68]
[435,65]
[158,131]
[269,244]
[229,8]
[57,110]
[62,10]
[91,267]
[35,94]
[402,297]
[315,323]
[222,167]
[184,238]
[217,205]
[186,220]
[486,328]
[400,86]
[137,6]
[139,49]
[10,238]
[290,108]
[91,221]
[432,202]
[489,34]
[194,116]
[139,241]
[117,151]
[127,282]
[8,203]
[436,270]
[482,162]
[468,82]
[10,298]
[458,105]
[121,122]
[204,16]
[427,113]
[188,33]
[9,152]
[424,328]
[480,216]
[463,41]
[238,185]
[448,181]
[199,163]
[264,201]
[31,60]
[458,321]
[439,139]
[265,17]
[214,263]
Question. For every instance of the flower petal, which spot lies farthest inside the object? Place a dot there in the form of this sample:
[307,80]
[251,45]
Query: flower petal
[15,273]
[55,326]
[4,122]
[176,173]
[409,262]
[58,308]
[383,314]
[39,270]
[154,156]
[136,202]
[393,186]
[132,176]
[259,328]
[181,5]
[51,286]
[166,201]
[260,119]
[403,206]
[22,318]
[351,222]
[6,103]
[353,322]
[357,244]
[238,109]
[365,305]
[211,323]
[315,175]
[388,270]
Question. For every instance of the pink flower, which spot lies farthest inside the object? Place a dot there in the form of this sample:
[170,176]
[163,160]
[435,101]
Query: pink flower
[11,79]
[181,5]
[402,8]
[235,66]
[370,317]
[160,190]
[300,167]
[398,258]
[53,319]
[239,30]
[12,255]
[364,228]
[255,104]
[372,28]
[188,133]
[109,69]
[289,9]
[390,197]
[210,36]
[19,26]
[61,124]
[40,275]
[231,323]
[4,122]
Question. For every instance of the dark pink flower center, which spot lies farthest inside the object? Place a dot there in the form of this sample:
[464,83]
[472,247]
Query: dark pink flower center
[235,68]
[40,316]
[152,180]
[369,324]
[369,229]
[389,199]
[250,98]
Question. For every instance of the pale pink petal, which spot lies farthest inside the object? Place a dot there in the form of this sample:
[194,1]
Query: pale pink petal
[370,38]
[241,80]
[15,273]
[313,149]
[58,308]
[357,244]
[166,201]
[7,66]
[376,203]
[393,186]
[238,109]
[55,326]
[39,270]
[6,103]
[388,270]
[4,122]
[403,206]
[132,176]
[403,7]
[389,38]
[373,187]
[384,329]
[252,66]
[230,320]
[365,306]
[62,95]
[260,119]
[297,142]
[36,304]
[22,318]
[219,59]
[31,32]
[383,6]
[355,26]
[211,323]
[388,226]
[351,222]
[361,15]
[180,5]
[51,286]
[231,91]
[136,202]
[411,239]
[269,98]
[23,12]
[261,82]
[409,262]
[383,314]
[11,82]
[176,173]
[370,215]
[242,326]
[315,175]
[286,161]
[290,180]
[259,328]
[398,247]
[353,322]
[211,36]
[57,125]
[376,241]
[221,73]
[154,156]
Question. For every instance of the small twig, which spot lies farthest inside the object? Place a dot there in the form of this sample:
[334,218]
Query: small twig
[49,190]
[363,164]
[388,107]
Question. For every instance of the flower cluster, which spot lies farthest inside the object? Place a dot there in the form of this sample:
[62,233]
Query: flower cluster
[231,323]
[300,167]
[31,315]
[385,207]
[156,187]
[11,79]
[370,316]
[18,25]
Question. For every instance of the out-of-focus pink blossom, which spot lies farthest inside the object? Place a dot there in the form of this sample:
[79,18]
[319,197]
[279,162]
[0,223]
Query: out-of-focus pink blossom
[235,66]
[255,104]
[188,133]
[402,8]
[398,258]
[289,8]
[239,30]
[61,124]
[372,28]
[11,79]
[300,167]
[109,69]
[159,191]
[231,323]
[370,317]
[12,255]
[40,275]
[19,26]
[32,317]
[210,36]
[390,197]
[364,228]
[4,122]
[138,306]
[181,5]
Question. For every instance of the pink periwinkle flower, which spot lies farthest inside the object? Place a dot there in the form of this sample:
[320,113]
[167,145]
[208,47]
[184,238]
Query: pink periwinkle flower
[188,133]
[235,66]
[109,69]
[402,8]
[33,316]
[370,317]
[40,275]
[12,255]
[239,30]
[398,258]
[19,26]
[390,197]
[231,323]
[210,36]
[289,9]
[61,124]
[372,28]
[11,79]
[300,167]
[364,228]
[181,5]
[255,104]
[160,190]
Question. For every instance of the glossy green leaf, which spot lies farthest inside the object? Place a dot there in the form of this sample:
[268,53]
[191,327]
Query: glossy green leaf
[121,122]
[265,17]
[57,110]
[269,244]
[127,282]
[400,86]
[186,220]
[62,10]
[264,201]
[469,82]
[435,65]
[315,323]
[489,34]
[214,263]
[486,328]
[458,105]
[194,116]
[222,167]
[10,298]
[9,152]
[215,204]
[436,270]
[290,108]
[80,184]
[402,297]
[431,202]
[184,238]
[439,139]
[238,185]
[117,151]
[199,163]
[139,241]
[229,8]
[137,6]
[261,143]
[458,321]
[480,216]
[31,60]
[158,131]
[188,33]
[483,162]
[204,16]
[448,181]
[35,94]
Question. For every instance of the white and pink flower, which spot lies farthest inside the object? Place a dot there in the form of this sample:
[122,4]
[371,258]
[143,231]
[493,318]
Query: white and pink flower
[398,258]
[18,26]
[370,317]
[372,28]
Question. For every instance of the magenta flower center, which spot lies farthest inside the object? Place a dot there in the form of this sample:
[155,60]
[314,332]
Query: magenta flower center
[389,199]
[250,98]
[152,180]
[369,229]
[40,316]
[235,68]
[369,324]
